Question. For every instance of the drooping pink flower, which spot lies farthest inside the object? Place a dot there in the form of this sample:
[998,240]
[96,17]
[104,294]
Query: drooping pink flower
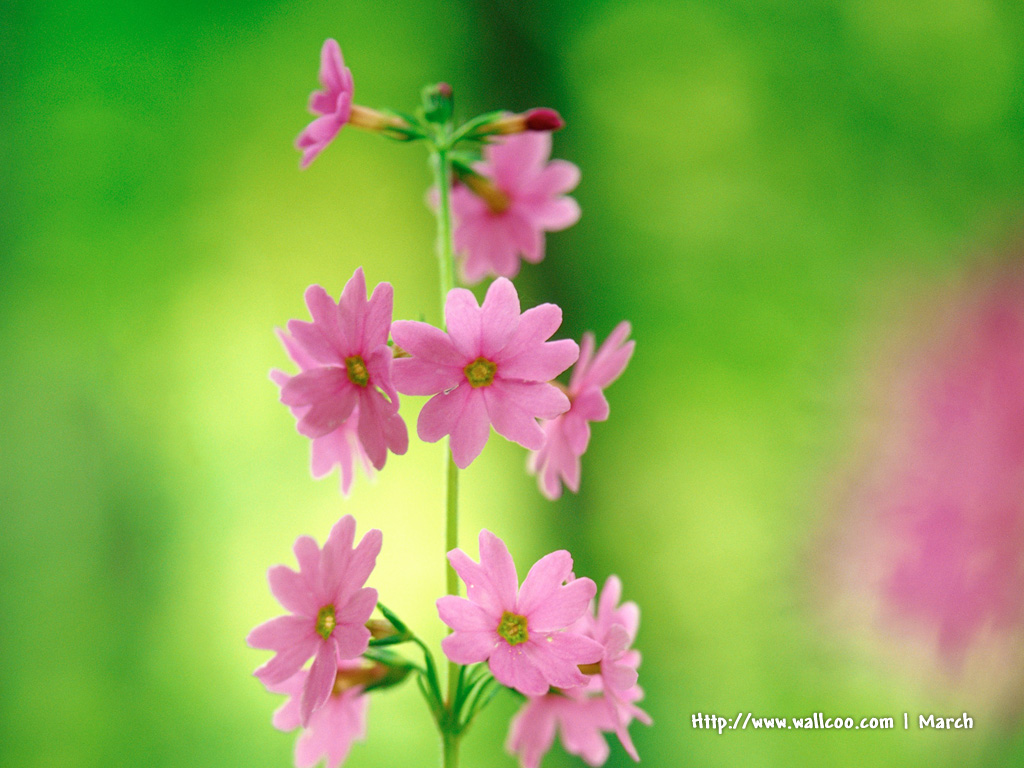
[521,633]
[581,720]
[566,436]
[345,375]
[491,367]
[333,104]
[329,608]
[332,728]
[503,213]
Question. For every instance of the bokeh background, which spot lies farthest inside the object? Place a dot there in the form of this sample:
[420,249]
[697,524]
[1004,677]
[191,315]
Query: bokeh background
[772,193]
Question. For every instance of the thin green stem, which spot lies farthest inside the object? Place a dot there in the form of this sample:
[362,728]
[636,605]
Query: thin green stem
[441,163]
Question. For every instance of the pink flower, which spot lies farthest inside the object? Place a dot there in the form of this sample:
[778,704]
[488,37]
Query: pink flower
[333,104]
[521,633]
[933,540]
[345,365]
[333,727]
[492,367]
[581,720]
[329,608]
[499,219]
[566,436]
[342,446]
[606,703]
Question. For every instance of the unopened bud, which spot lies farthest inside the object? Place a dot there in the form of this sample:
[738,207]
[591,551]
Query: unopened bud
[541,119]
[438,103]
[381,628]
[544,119]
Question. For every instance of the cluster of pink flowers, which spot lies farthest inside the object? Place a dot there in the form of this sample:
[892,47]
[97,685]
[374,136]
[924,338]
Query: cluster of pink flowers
[491,365]
[543,639]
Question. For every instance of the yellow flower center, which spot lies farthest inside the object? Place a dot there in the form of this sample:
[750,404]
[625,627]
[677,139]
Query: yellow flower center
[513,628]
[480,373]
[325,621]
[357,371]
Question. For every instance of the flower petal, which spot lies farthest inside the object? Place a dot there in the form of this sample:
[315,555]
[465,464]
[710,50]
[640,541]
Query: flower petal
[471,430]
[292,591]
[541,363]
[535,326]
[464,615]
[462,318]
[320,681]
[499,317]
[424,341]
[441,413]
[469,647]
[510,420]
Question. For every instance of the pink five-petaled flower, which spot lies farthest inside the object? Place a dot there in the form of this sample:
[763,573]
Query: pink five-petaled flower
[508,215]
[331,729]
[492,367]
[329,608]
[346,363]
[521,633]
[566,436]
[333,104]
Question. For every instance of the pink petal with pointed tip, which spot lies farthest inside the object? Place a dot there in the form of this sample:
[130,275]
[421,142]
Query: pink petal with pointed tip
[499,317]
[510,420]
[462,318]
[542,363]
[469,647]
[470,432]
[292,591]
[320,681]
[464,615]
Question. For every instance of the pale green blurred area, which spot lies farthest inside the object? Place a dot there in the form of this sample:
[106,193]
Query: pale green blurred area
[765,186]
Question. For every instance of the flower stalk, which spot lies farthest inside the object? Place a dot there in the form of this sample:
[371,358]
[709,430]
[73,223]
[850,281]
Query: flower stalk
[442,167]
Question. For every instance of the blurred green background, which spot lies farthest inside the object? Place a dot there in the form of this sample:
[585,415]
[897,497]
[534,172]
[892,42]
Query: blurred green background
[766,187]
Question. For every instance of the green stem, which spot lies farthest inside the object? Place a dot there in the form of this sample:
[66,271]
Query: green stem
[450,743]
[446,264]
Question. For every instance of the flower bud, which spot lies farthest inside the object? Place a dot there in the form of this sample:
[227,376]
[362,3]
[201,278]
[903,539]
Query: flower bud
[438,103]
[381,628]
[541,119]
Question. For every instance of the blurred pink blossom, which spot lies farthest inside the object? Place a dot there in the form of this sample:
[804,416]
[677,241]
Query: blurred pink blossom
[935,532]
[521,197]
[332,728]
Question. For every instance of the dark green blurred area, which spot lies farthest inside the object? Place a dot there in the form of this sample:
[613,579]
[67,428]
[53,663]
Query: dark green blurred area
[766,187]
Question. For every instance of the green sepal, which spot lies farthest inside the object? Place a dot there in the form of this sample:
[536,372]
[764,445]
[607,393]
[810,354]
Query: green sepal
[396,622]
